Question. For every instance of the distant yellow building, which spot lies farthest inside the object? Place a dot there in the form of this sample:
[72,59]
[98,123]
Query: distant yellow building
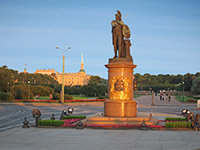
[44,71]
[71,79]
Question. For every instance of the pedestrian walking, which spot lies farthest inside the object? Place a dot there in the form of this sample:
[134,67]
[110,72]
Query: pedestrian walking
[166,97]
[169,98]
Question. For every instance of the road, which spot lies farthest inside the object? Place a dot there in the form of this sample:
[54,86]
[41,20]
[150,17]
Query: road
[12,115]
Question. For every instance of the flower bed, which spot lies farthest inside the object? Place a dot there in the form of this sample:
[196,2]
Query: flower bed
[72,123]
[191,100]
[56,101]
[69,123]
[73,117]
[36,101]
[122,126]
[87,100]
[161,120]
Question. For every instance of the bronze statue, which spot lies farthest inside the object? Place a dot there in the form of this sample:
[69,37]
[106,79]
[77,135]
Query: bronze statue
[120,36]
[117,26]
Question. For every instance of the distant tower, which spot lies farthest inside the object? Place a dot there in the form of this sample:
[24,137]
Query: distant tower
[25,71]
[82,65]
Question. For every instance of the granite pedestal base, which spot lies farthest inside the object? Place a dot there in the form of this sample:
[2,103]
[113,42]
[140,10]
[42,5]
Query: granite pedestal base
[101,120]
[114,108]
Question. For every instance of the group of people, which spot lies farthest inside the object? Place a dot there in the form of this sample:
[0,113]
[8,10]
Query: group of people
[164,96]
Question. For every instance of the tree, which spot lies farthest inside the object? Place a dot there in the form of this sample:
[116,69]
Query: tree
[6,80]
[196,85]
[97,87]
[20,91]
[139,78]
[197,74]
[94,80]
[188,81]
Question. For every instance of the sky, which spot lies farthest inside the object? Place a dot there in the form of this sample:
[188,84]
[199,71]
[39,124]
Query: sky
[165,35]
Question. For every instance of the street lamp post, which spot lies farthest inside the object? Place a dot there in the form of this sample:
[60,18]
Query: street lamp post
[8,87]
[183,91]
[28,90]
[152,99]
[63,73]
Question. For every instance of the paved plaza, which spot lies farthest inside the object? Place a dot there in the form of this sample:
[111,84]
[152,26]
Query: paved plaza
[94,139]
[90,139]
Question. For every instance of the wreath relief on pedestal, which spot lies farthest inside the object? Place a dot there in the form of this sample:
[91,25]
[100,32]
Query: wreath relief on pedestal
[119,88]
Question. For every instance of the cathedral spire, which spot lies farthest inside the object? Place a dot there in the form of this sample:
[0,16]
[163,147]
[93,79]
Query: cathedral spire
[82,58]
[82,65]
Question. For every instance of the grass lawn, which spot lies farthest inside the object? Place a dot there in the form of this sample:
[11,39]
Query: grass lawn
[75,97]
[81,97]
[180,98]
[135,96]
[42,98]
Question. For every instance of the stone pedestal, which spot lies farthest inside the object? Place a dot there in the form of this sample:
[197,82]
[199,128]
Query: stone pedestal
[115,108]
[98,119]
[120,102]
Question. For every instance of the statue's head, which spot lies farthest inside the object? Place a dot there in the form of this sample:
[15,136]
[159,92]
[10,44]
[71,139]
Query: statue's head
[118,12]
[118,16]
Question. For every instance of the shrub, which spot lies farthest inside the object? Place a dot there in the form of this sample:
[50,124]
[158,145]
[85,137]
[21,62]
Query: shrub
[6,96]
[42,90]
[178,124]
[56,96]
[174,119]
[74,117]
[102,97]
[19,91]
[68,97]
[55,123]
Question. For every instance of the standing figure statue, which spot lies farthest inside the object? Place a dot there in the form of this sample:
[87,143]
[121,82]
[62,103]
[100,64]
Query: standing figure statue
[117,26]
[120,37]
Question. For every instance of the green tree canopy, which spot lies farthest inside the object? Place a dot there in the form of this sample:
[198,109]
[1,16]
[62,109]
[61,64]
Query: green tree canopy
[196,85]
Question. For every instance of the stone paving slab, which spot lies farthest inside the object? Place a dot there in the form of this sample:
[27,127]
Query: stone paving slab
[90,139]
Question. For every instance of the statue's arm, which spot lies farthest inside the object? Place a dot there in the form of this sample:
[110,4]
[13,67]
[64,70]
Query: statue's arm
[113,23]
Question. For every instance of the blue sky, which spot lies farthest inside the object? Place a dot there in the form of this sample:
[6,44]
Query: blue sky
[165,35]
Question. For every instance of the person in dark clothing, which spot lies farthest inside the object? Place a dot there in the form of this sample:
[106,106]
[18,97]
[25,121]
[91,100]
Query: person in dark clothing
[169,98]
[160,97]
